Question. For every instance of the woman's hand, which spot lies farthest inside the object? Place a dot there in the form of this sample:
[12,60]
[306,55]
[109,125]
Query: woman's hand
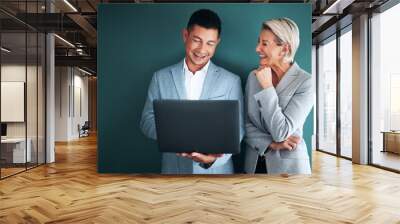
[289,144]
[264,76]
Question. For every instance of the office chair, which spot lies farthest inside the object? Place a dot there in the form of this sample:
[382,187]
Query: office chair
[84,130]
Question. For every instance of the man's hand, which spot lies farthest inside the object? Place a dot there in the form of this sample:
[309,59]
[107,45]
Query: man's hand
[201,158]
[289,144]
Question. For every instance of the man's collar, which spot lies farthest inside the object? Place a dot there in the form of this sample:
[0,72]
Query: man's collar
[203,69]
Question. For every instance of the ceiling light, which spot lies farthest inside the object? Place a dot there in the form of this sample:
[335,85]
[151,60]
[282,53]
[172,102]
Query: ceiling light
[70,5]
[328,10]
[84,71]
[64,40]
[5,50]
[337,7]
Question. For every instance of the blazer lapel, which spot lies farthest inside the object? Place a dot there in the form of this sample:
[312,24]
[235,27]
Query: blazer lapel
[179,79]
[209,82]
[288,78]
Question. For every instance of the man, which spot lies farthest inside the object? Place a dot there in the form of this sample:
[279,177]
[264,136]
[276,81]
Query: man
[194,78]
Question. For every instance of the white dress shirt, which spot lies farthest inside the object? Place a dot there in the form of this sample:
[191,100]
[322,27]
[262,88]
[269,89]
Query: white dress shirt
[194,87]
[194,82]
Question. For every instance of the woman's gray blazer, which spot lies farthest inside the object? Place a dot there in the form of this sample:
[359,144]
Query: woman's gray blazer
[274,114]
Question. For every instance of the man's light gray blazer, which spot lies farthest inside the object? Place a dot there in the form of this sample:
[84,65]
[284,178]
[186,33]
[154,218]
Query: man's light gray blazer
[274,115]
[169,83]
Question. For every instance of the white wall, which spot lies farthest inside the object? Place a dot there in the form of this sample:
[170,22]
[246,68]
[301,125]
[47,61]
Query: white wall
[61,103]
[71,102]
[16,73]
[80,111]
[12,73]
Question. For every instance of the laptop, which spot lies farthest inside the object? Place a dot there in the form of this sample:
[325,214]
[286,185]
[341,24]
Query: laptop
[204,126]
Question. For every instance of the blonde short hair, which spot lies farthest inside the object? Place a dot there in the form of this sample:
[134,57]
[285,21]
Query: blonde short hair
[286,31]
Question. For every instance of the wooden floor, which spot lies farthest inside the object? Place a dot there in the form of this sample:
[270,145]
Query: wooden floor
[9,171]
[71,191]
[5,172]
[387,159]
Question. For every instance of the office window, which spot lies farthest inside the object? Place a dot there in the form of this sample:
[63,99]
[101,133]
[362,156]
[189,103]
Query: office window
[327,96]
[385,89]
[346,93]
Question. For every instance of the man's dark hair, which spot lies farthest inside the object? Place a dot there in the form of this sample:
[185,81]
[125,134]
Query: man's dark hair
[205,18]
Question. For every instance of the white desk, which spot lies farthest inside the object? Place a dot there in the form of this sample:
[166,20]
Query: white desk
[18,149]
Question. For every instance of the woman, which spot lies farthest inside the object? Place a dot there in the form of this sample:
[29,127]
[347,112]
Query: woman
[279,96]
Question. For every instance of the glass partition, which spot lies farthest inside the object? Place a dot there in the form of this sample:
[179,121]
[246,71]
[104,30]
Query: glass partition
[14,153]
[385,89]
[327,96]
[22,63]
[346,95]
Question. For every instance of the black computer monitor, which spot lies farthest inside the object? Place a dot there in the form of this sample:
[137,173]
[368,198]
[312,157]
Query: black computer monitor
[3,129]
